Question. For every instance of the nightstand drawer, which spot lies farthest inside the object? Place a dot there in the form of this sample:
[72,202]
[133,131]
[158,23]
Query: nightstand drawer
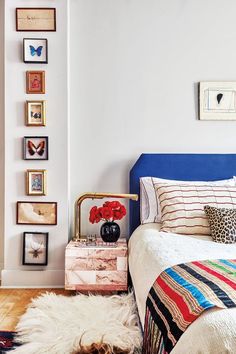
[96,268]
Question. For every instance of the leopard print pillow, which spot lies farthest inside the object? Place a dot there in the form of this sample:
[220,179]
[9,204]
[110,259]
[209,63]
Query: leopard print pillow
[222,224]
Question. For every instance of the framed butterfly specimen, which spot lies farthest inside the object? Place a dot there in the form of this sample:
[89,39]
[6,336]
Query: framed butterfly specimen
[35,248]
[35,148]
[35,50]
[35,82]
[35,113]
[36,213]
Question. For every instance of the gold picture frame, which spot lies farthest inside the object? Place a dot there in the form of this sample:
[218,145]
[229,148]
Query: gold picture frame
[36,182]
[35,113]
[33,19]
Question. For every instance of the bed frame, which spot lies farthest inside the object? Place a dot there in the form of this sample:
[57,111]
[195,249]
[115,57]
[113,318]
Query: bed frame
[185,167]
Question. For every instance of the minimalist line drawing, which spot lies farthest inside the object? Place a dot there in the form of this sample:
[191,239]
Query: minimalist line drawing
[217,100]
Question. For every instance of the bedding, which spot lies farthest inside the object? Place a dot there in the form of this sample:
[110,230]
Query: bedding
[151,252]
[222,224]
[182,206]
[149,204]
[180,295]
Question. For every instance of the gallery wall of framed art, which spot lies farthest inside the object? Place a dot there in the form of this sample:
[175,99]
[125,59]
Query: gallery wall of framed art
[36,155]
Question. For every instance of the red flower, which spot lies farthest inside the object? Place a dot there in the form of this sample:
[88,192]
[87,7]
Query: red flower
[115,204]
[123,210]
[110,211]
[92,215]
[107,212]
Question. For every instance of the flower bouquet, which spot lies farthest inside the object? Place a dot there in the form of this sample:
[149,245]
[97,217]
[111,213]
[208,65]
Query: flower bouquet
[108,212]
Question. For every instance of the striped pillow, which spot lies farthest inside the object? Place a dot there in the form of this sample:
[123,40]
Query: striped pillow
[182,206]
[149,204]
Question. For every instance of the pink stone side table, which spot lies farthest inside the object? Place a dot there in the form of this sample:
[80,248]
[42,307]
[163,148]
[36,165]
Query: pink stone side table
[96,268]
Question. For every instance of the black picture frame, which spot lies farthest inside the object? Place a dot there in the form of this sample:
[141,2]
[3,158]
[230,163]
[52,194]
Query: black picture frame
[37,150]
[25,40]
[35,252]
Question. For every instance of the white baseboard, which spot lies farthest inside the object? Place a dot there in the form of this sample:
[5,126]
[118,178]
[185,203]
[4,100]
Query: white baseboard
[33,279]
[1,268]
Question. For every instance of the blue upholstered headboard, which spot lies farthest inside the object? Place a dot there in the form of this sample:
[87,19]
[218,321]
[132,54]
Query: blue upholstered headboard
[186,167]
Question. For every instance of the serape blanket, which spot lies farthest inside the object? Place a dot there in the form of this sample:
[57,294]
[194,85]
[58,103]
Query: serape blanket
[180,295]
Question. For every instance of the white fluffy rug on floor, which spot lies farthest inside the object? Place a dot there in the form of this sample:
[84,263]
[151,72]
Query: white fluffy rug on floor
[58,324]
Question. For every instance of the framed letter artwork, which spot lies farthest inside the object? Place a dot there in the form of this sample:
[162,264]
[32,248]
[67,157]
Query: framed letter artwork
[33,19]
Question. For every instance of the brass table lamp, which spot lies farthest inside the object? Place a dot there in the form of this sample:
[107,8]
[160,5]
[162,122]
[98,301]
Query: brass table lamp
[77,220]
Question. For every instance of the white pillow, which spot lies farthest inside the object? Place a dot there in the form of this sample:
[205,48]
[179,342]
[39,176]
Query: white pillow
[149,204]
[182,206]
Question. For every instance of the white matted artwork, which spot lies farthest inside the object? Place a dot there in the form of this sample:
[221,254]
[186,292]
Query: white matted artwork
[35,248]
[35,50]
[217,100]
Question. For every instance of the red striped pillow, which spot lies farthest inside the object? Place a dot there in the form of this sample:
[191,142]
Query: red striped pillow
[182,206]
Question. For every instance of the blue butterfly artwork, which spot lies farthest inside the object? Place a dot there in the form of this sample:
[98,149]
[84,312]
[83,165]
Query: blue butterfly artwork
[36,51]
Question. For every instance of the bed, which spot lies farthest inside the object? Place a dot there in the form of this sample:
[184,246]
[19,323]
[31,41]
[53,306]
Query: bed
[152,251]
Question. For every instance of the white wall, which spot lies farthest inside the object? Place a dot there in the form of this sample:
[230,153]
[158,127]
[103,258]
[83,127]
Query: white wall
[135,65]
[14,274]
[1,132]
[134,68]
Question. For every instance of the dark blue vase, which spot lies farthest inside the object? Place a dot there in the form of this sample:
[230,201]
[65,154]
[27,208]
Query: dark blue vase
[110,231]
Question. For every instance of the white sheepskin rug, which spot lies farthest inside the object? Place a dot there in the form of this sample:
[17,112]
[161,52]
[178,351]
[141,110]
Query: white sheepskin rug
[57,324]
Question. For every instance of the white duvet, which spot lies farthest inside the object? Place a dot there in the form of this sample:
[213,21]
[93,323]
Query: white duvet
[151,252]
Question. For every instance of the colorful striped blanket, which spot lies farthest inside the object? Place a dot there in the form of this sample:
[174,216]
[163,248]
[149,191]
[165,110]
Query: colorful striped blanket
[180,295]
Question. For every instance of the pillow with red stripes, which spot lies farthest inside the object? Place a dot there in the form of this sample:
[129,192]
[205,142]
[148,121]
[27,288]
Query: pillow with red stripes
[149,203]
[182,206]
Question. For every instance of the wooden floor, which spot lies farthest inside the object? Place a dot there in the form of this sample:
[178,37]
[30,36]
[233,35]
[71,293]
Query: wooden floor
[13,303]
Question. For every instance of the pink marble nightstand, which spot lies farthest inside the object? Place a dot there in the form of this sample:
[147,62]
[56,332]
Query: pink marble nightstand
[99,268]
